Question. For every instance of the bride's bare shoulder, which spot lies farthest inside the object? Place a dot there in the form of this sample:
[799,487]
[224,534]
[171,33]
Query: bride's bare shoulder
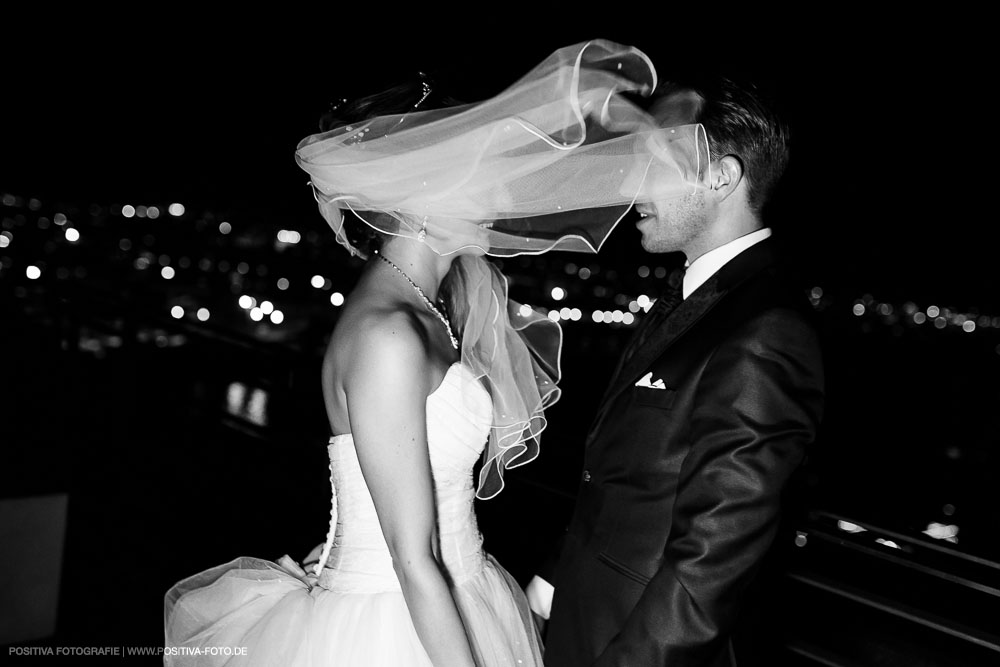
[372,333]
[369,345]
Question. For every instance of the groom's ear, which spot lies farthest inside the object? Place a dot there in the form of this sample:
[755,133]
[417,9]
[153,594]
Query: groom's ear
[727,174]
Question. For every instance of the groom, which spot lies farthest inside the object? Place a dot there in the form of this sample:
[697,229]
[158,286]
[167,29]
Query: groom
[713,406]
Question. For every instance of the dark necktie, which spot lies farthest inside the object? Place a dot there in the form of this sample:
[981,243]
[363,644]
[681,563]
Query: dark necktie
[668,301]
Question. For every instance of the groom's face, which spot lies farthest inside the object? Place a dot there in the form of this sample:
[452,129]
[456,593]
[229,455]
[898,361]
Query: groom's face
[673,225]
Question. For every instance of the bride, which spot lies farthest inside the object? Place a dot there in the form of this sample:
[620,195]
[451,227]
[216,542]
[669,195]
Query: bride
[432,368]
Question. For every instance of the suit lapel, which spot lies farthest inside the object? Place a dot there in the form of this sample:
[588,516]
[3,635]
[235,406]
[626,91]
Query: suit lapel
[686,315]
[683,318]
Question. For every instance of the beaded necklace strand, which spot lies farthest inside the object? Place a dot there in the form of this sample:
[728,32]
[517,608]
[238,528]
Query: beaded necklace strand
[440,315]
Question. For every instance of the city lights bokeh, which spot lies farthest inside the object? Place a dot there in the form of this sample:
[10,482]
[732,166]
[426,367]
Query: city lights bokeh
[589,294]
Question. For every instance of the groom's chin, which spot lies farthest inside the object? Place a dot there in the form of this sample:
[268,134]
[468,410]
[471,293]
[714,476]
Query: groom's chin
[648,241]
[657,246]
[648,244]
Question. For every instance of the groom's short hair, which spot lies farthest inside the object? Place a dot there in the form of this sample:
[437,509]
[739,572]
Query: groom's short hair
[740,120]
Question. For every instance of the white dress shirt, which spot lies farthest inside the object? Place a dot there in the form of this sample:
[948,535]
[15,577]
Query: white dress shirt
[708,264]
[539,591]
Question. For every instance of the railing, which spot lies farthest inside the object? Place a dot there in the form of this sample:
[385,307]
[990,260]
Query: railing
[878,596]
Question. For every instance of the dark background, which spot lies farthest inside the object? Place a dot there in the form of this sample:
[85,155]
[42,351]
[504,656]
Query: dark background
[890,127]
[887,201]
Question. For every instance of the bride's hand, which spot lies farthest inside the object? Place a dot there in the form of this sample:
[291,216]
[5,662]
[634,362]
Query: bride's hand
[291,567]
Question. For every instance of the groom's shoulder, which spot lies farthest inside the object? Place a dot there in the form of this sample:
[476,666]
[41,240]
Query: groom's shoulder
[775,286]
[773,302]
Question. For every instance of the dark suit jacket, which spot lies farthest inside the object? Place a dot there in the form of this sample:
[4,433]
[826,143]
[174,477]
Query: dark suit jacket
[680,495]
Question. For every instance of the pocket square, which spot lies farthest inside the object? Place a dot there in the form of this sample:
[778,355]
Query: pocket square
[647,381]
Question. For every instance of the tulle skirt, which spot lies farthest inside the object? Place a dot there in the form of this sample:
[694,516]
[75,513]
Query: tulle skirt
[254,612]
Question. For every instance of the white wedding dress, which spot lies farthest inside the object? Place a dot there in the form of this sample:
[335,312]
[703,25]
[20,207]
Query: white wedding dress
[252,611]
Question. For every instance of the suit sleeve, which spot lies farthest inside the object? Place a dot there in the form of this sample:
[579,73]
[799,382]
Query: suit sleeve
[756,409]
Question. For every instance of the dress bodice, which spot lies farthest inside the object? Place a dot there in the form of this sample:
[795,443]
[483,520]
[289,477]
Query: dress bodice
[459,414]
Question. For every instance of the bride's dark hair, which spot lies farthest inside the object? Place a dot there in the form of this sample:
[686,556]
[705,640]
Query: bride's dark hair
[418,93]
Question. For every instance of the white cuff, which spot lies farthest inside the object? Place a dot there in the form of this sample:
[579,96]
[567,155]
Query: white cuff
[540,594]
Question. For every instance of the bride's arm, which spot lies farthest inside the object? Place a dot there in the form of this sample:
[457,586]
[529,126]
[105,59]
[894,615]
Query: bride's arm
[387,387]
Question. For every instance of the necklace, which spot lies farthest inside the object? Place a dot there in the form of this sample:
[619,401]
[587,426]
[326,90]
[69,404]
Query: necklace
[441,316]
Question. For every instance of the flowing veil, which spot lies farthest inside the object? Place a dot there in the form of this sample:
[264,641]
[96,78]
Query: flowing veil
[551,163]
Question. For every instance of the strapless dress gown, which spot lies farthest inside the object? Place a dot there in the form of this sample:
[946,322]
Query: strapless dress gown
[252,611]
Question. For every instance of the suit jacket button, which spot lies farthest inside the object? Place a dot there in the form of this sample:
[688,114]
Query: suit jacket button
[586,475]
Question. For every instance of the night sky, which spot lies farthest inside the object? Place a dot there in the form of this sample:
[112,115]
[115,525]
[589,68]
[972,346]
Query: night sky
[883,192]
